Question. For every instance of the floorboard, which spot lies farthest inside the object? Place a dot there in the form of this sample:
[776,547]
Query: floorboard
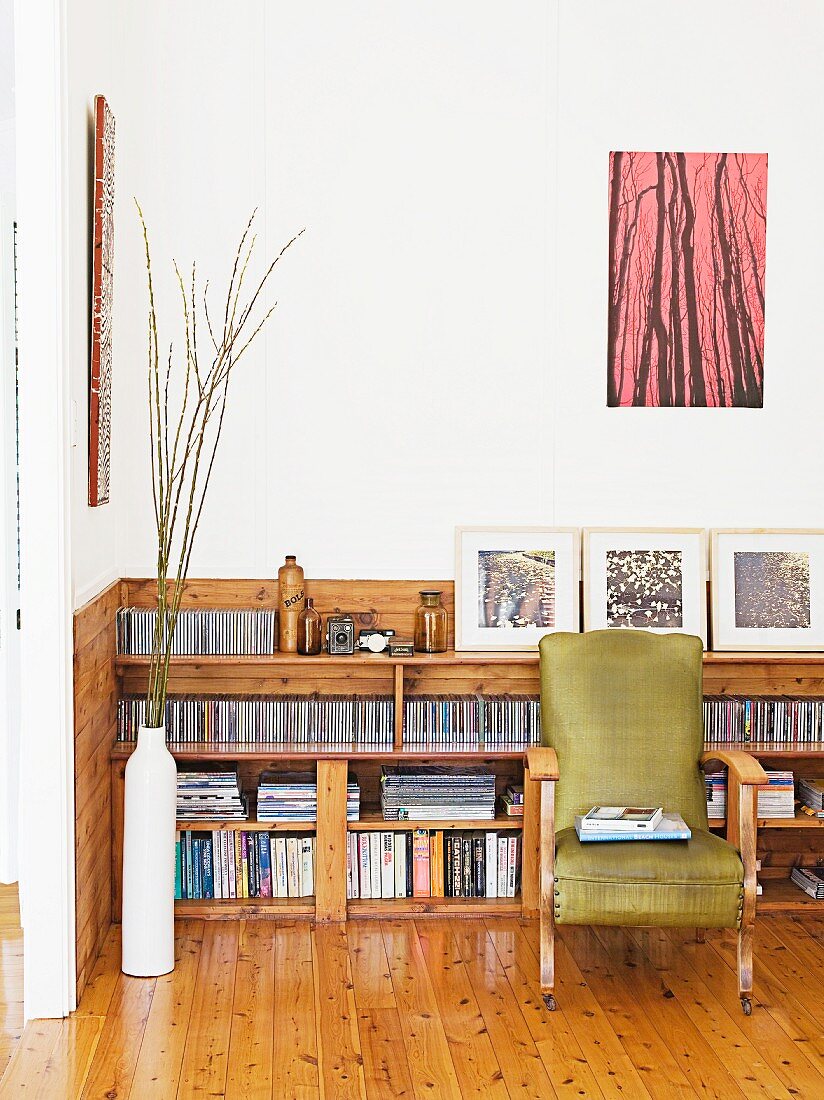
[441,1008]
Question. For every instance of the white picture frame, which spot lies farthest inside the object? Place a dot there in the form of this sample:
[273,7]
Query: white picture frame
[493,609]
[767,588]
[646,578]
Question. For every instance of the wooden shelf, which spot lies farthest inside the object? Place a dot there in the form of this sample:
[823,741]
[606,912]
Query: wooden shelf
[783,896]
[387,908]
[244,908]
[372,820]
[122,750]
[323,660]
[766,750]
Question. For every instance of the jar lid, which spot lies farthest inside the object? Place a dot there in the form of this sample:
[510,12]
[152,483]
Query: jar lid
[430,592]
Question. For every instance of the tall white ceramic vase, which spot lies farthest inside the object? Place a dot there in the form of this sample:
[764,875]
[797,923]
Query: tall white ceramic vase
[149,857]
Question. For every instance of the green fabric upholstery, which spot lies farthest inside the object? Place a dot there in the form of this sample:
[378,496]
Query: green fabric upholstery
[635,882]
[623,711]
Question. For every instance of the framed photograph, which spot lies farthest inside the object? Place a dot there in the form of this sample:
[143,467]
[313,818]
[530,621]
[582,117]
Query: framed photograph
[767,589]
[646,579]
[513,585]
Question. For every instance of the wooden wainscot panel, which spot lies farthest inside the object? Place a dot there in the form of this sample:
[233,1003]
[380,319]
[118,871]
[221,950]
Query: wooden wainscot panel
[95,709]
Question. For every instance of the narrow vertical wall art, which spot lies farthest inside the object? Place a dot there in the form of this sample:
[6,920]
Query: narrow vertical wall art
[100,374]
[687,235]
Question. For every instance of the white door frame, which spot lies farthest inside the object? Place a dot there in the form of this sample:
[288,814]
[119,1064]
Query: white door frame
[47,740]
[9,601]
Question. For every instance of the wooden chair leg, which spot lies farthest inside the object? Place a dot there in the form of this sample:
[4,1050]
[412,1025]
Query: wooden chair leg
[548,959]
[700,935]
[745,940]
[546,899]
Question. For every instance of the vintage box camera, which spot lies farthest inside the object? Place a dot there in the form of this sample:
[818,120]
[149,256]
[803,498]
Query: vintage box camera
[340,635]
[375,641]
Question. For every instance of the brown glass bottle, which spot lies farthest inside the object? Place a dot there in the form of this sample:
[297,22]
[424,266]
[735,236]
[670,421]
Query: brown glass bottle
[310,629]
[290,584]
[430,624]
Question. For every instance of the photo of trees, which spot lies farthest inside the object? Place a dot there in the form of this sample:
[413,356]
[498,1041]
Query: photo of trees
[516,588]
[772,589]
[645,589]
[687,238]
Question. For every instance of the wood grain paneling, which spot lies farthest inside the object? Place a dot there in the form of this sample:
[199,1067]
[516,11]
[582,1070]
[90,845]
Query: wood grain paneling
[95,695]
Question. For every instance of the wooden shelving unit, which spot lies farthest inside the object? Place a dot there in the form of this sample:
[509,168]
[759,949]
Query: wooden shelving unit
[391,604]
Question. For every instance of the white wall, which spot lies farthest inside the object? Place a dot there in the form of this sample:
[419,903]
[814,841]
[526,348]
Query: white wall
[95,40]
[447,303]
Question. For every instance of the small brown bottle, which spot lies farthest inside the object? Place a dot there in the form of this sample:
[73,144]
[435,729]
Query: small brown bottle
[430,624]
[290,583]
[310,630]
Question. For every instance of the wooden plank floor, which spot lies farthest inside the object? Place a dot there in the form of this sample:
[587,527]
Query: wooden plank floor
[435,1008]
[11,974]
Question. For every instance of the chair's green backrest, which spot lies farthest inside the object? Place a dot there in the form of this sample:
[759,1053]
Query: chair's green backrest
[623,710]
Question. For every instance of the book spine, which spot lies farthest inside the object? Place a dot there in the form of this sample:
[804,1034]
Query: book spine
[265,866]
[467,875]
[365,873]
[244,863]
[387,865]
[503,853]
[282,882]
[420,859]
[479,846]
[375,864]
[178,867]
[512,866]
[208,868]
[436,868]
[491,866]
[400,865]
[198,869]
[307,870]
[409,863]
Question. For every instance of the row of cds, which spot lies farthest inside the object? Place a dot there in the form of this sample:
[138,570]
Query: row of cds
[256,719]
[495,720]
[437,721]
[200,631]
[799,721]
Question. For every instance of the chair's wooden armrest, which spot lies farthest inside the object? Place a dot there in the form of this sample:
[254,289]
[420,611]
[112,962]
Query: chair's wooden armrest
[542,763]
[744,767]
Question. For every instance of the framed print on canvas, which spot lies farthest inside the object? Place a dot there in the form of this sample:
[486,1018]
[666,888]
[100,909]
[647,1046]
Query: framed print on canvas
[513,585]
[767,589]
[646,579]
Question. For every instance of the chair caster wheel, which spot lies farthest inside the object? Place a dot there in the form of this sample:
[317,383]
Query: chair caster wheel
[549,1001]
[746,1006]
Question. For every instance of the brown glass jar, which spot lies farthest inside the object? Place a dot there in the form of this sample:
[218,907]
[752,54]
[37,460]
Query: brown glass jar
[430,624]
[290,583]
[310,630]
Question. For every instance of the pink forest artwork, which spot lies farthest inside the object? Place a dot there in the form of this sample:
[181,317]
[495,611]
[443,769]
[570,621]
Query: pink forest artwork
[687,236]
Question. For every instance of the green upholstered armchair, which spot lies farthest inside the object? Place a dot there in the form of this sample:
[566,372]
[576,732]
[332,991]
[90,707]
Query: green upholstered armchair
[622,721]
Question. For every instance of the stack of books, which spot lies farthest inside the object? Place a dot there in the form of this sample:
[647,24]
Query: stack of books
[810,880]
[236,864]
[811,793]
[777,799]
[512,800]
[716,784]
[293,796]
[433,864]
[436,793]
[630,823]
[210,795]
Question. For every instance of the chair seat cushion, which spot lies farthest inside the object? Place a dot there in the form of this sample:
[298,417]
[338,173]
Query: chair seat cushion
[636,882]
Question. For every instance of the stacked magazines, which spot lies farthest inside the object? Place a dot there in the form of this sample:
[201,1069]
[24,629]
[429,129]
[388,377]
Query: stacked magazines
[810,879]
[210,795]
[716,787]
[811,793]
[435,793]
[293,796]
[777,799]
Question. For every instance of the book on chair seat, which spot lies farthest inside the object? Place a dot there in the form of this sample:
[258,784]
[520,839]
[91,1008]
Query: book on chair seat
[670,827]
[622,819]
